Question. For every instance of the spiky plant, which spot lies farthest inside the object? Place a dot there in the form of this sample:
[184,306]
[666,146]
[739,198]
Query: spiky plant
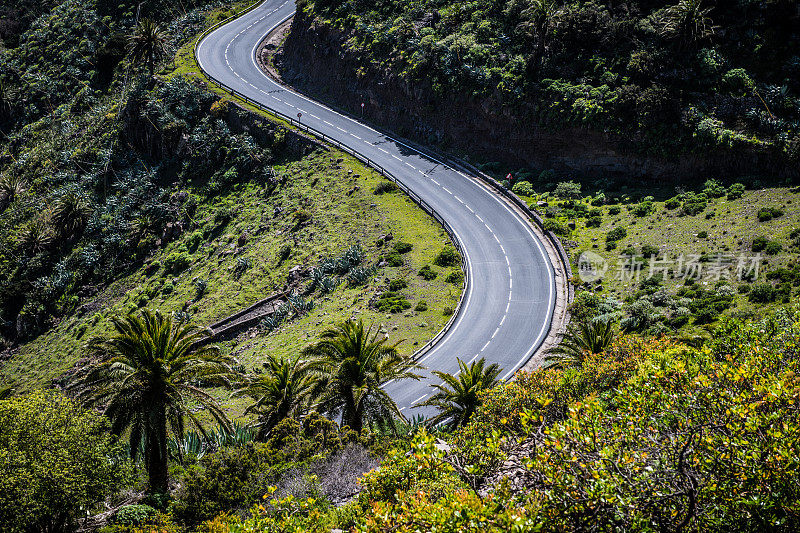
[590,337]
[458,396]
[148,44]
[148,381]
[688,21]
[36,236]
[11,188]
[69,214]
[283,390]
[351,364]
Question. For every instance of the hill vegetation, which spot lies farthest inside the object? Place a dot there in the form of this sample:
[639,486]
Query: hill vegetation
[662,79]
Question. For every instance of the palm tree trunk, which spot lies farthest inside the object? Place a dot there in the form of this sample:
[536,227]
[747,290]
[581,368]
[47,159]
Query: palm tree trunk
[157,455]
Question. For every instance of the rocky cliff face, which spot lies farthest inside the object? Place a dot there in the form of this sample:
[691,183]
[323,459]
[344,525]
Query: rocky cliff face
[315,61]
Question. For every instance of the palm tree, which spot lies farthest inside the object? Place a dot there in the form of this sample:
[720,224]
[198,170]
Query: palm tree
[688,21]
[282,391]
[70,214]
[594,336]
[460,395]
[537,18]
[351,365]
[36,236]
[148,43]
[150,379]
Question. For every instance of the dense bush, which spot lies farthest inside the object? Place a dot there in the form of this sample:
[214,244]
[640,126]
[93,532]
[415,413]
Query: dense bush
[447,257]
[58,461]
[427,273]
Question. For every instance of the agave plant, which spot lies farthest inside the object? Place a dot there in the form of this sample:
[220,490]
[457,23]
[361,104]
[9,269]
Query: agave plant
[328,285]
[11,188]
[591,337]
[37,236]
[186,449]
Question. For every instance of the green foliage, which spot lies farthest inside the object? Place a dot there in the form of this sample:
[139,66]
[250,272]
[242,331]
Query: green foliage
[568,189]
[459,395]
[402,247]
[421,306]
[735,191]
[397,284]
[177,262]
[447,257]
[134,515]
[394,259]
[147,382]
[427,273]
[694,203]
[713,189]
[456,276]
[392,302]
[58,461]
[590,337]
[768,213]
[616,234]
[559,228]
[523,188]
[352,364]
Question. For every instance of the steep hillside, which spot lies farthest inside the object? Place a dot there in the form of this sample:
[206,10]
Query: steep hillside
[651,88]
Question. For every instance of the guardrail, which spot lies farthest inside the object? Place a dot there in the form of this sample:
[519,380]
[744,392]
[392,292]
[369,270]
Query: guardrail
[364,159]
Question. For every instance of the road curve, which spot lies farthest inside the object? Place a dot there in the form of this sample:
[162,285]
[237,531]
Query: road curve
[510,300]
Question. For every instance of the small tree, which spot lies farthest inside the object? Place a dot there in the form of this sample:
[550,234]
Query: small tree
[352,364]
[57,461]
[149,44]
[150,379]
[458,397]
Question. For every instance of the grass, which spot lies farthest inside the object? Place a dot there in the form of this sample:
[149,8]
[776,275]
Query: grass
[337,191]
[724,227]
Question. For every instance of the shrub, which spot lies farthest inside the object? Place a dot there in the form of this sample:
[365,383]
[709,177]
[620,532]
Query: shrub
[642,209]
[284,253]
[393,259]
[762,293]
[427,273]
[694,204]
[384,187]
[614,210]
[447,257]
[58,461]
[193,241]
[300,216]
[773,248]
[134,515]
[568,189]
[402,247]
[392,302]
[616,234]
[648,250]
[594,222]
[447,311]
[455,276]
[523,188]
[421,306]
[397,284]
[735,191]
[713,189]
[672,203]
[768,213]
[759,243]
[702,234]
[557,227]
[737,81]
[177,262]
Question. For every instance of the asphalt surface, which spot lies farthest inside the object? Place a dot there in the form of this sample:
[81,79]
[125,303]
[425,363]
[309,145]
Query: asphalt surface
[509,303]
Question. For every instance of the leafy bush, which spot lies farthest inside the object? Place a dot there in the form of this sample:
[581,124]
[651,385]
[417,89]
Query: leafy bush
[421,306]
[568,189]
[392,302]
[713,189]
[737,81]
[402,247]
[384,187]
[557,227]
[397,284]
[394,259]
[58,461]
[447,257]
[133,515]
[642,209]
[735,191]
[427,273]
[614,210]
[455,276]
[594,222]
[773,248]
[759,244]
[177,262]
[762,293]
[768,213]
[672,203]
[616,234]
[523,188]
[694,204]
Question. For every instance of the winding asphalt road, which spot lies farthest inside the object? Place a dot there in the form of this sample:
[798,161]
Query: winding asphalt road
[509,304]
